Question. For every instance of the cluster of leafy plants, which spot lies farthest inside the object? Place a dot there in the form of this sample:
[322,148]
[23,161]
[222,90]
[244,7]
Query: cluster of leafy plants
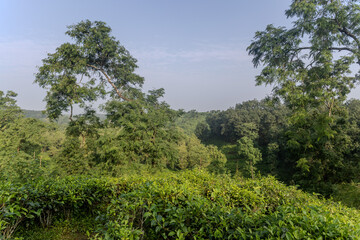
[41,202]
[191,204]
[197,205]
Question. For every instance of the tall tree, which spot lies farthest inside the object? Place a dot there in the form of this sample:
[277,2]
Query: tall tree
[94,65]
[309,66]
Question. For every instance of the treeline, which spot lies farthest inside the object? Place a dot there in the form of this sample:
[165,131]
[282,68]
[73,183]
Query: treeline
[283,146]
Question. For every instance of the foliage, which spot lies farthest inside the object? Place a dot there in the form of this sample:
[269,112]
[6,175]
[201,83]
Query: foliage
[188,121]
[9,111]
[28,149]
[263,122]
[310,68]
[43,201]
[77,227]
[147,134]
[62,121]
[193,154]
[138,127]
[134,132]
[202,131]
[182,205]
[195,205]
[249,153]
[218,160]
[77,73]
[347,193]
[286,141]
[304,134]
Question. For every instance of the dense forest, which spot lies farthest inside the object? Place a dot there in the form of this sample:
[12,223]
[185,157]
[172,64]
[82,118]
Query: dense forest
[287,166]
[306,153]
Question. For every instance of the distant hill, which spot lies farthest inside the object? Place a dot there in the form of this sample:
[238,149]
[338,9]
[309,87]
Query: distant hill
[189,120]
[34,114]
[63,119]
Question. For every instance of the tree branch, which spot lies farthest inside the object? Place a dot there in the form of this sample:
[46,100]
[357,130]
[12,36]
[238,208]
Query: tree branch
[109,80]
[71,112]
[345,31]
[331,49]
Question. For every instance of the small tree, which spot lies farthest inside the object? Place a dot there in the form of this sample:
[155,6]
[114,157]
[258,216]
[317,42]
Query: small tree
[202,131]
[218,160]
[9,111]
[249,153]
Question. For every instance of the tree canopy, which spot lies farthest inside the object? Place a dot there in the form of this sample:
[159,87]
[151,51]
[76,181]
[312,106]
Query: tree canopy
[94,66]
[310,68]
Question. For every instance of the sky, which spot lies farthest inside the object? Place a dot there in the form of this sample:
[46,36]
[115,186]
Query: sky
[194,49]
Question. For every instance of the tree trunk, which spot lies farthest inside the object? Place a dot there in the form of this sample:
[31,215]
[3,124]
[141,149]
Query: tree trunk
[252,170]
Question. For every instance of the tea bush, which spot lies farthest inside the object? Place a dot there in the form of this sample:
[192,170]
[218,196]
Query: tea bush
[45,200]
[190,204]
[198,205]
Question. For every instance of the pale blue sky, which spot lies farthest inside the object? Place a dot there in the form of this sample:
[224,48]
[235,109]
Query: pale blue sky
[195,49]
